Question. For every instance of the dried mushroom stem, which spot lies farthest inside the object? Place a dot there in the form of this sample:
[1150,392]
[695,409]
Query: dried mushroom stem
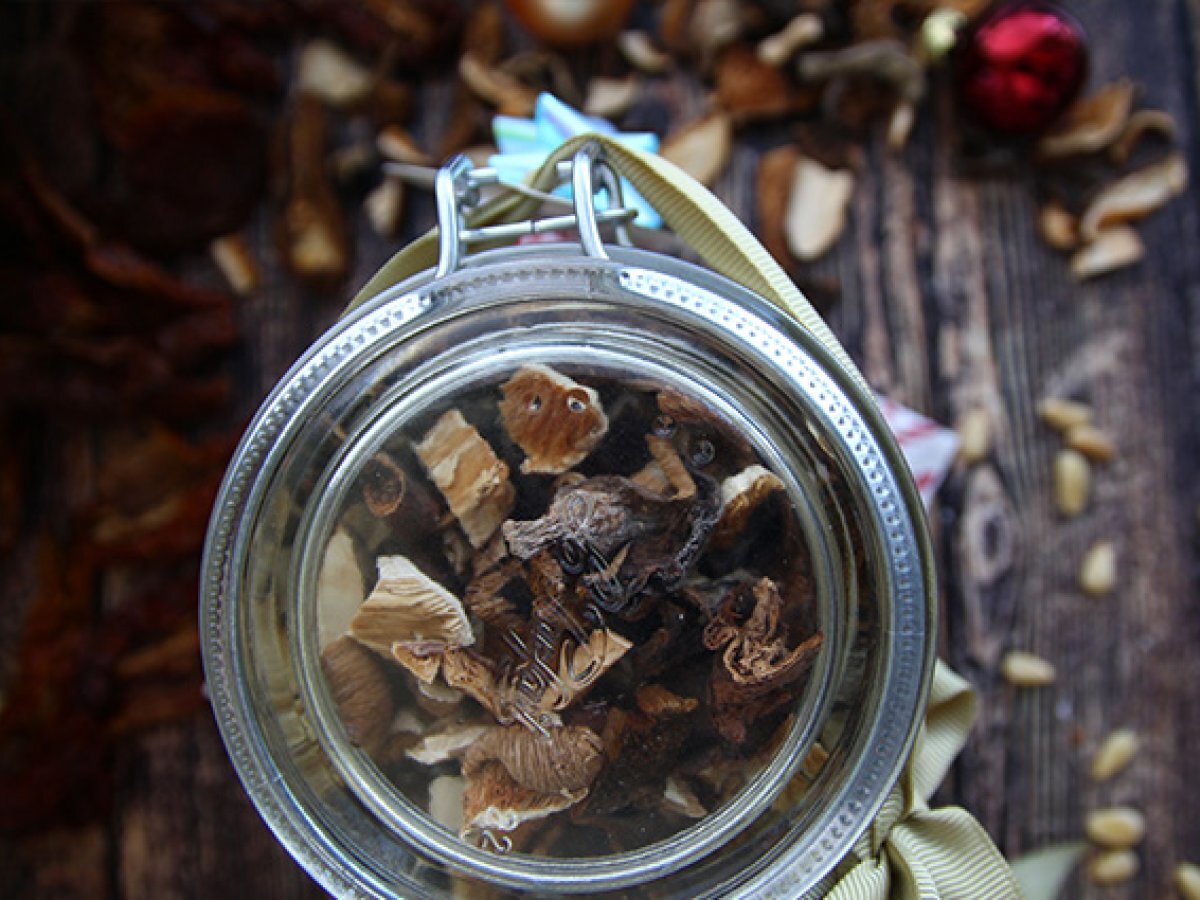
[679,480]
[313,234]
[804,30]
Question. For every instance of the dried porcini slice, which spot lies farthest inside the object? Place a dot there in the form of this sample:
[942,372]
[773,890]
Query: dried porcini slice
[446,744]
[565,760]
[494,802]
[756,667]
[408,606]
[471,477]
[555,420]
[1091,124]
[588,525]
[741,495]
[1135,196]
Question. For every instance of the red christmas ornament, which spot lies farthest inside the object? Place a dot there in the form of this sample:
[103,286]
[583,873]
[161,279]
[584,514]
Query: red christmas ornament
[1020,67]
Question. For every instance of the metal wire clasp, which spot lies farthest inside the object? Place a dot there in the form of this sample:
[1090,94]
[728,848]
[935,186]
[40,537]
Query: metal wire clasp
[457,191]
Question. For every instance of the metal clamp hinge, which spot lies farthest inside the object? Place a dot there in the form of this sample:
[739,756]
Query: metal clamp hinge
[457,190]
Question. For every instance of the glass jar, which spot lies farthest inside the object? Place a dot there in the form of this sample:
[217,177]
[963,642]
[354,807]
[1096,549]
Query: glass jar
[568,569]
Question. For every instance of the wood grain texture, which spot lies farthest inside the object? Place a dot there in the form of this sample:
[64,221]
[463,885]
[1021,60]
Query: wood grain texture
[950,302]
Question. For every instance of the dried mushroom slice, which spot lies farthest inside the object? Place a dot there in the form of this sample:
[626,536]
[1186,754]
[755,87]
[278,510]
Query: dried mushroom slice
[408,608]
[340,588]
[756,668]
[1135,196]
[556,421]
[679,797]
[422,658]
[469,474]
[383,485]
[628,544]
[565,760]
[1090,125]
[360,690]
[495,807]
[474,674]
[446,743]
[656,700]
[741,495]
[581,666]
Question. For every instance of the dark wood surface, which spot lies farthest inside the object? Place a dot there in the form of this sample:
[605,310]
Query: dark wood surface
[949,301]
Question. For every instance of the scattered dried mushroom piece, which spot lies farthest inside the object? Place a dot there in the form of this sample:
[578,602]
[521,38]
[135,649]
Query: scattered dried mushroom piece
[1090,125]
[1135,196]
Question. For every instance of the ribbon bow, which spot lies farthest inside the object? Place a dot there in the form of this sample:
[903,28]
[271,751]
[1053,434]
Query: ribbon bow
[913,851]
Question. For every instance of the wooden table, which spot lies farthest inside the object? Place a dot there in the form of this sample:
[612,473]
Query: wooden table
[950,302]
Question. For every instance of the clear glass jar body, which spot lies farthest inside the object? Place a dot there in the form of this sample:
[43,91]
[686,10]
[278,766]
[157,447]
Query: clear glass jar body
[377,379]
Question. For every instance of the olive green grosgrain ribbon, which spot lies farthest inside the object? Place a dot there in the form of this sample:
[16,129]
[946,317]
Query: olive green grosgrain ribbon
[910,850]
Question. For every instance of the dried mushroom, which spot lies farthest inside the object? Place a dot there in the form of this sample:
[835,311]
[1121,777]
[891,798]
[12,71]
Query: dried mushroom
[628,543]
[470,476]
[494,802]
[383,485]
[756,663]
[1141,123]
[1112,249]
[564,761]
[556,421]
[360,690]
[340,588]
[816,208]
[620,629]
[408,607]
[1135,196]
[702,149]
[446,744]
[741,495]
[330,73]
[1090,125]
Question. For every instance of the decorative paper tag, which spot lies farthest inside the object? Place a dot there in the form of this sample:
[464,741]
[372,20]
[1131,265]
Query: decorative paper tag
[930,448]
